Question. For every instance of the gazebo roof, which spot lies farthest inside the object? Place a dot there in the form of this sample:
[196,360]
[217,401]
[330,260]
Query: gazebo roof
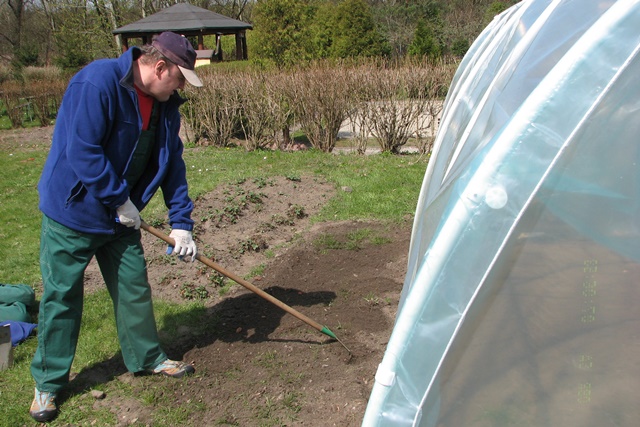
[185,19]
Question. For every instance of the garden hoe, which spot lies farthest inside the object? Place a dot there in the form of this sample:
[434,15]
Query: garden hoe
[248,285]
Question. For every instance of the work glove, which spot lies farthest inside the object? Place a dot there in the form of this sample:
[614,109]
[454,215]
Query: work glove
[129,215]
[184,244]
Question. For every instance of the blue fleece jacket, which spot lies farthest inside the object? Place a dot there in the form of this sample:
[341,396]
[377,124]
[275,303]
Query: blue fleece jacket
[95,135]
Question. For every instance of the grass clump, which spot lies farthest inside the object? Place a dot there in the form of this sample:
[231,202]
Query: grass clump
[355,240]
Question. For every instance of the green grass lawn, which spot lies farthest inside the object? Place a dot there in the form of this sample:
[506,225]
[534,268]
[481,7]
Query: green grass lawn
[384,187]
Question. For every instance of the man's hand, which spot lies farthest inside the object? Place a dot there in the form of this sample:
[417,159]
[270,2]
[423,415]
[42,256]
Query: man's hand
[129,215]
[184,244]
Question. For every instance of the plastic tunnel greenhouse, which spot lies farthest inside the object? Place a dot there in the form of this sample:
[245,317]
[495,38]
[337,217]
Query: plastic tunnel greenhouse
[521,303]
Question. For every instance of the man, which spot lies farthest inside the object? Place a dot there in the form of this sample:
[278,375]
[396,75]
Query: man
[114,144]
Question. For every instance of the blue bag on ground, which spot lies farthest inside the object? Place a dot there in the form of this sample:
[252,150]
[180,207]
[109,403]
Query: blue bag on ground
[20,331]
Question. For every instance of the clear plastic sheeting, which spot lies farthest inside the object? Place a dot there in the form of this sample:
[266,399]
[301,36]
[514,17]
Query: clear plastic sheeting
[521,303]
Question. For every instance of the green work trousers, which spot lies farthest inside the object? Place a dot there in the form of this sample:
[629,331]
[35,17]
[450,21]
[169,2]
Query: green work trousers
[64,256]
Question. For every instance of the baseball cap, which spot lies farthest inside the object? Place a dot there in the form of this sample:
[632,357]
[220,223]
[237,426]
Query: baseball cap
[179,51]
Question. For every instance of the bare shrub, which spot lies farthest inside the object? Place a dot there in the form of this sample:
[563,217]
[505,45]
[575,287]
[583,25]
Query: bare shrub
[6,73]
[255,118]
[282,109]
[12,96]
[358,117]
[397,102]
[42,74]
[43,90]
[321,99]
[213,110]
[265,110]
[436,85]
[388,102]
[37,94]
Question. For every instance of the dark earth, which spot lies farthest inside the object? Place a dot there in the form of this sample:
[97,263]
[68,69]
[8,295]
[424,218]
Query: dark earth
[257,365]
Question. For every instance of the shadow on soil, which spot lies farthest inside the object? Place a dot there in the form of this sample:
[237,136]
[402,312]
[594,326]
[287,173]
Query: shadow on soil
[246,318]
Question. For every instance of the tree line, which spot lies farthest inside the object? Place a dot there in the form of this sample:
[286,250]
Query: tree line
[71,33]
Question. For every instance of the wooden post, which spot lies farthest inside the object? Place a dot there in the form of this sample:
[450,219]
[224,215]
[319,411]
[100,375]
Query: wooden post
[218,51]
[245,53]
[241,46]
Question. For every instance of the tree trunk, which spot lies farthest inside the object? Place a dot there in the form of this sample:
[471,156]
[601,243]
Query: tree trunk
[17,9]
[114,13]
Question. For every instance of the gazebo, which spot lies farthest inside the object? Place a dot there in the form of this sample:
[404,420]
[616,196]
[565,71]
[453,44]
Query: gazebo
[189,20]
